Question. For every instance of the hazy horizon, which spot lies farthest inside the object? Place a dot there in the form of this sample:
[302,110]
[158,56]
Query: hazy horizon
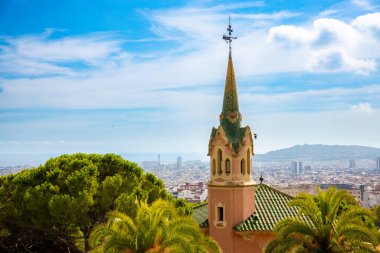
[35,159]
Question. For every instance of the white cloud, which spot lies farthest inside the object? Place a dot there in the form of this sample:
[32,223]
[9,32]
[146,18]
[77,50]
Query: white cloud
[369,23]
[315,100]
[325,31]
[268,16]
[362,4]
[291,35]
[336,60]
[39,54]
[333,45]
[362,108]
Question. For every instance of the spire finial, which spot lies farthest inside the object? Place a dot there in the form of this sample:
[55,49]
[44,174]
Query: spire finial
[261,178]
[229,38]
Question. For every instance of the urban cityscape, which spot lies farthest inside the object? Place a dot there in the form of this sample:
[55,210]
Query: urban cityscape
[188,179]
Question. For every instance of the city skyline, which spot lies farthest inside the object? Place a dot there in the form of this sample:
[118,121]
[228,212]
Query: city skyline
[132,77]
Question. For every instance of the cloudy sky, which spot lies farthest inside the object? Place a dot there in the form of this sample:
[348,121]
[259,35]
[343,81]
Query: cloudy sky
[147,76]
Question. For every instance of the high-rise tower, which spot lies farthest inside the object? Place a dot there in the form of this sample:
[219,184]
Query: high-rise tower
[231,188]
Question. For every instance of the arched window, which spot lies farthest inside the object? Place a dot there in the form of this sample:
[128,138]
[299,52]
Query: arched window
[242,166]
[248,161]
[219,158]
[228,167]
[213,166]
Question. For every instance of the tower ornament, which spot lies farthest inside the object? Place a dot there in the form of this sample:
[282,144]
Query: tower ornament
[228,38]
[233,117]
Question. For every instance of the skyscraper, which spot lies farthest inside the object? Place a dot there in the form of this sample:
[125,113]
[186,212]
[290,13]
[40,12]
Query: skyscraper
[296,168]
[159,161]
[378,164]
[179,162]
[351,164]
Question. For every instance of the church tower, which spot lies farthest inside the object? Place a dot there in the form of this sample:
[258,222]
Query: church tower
[231,191]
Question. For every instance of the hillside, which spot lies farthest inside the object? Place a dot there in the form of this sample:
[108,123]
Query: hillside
[319,152]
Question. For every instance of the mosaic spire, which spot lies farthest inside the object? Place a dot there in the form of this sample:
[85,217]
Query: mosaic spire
[230,101]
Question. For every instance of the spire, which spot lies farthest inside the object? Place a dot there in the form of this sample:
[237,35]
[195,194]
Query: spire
[230,101]
[230,118]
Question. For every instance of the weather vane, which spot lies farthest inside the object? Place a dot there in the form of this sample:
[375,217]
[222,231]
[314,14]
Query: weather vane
[229,38]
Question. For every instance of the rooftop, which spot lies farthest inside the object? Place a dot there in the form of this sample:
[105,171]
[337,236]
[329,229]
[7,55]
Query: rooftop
[271,207]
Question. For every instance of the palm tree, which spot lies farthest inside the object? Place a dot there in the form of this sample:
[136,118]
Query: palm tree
[156,228]
[330,222]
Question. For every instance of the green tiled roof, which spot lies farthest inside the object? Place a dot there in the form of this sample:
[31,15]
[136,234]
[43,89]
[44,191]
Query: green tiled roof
[271,207]
[234,138]
[213,134]
[235,134]
[200,215]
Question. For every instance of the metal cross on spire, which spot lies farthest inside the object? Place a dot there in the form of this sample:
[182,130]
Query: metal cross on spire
[229,38]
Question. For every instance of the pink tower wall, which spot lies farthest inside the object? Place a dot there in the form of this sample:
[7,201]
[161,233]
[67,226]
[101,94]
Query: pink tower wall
[239,205]
[255,243]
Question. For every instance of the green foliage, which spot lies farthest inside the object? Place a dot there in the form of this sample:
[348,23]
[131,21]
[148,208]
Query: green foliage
[330,222]
[155,228]
[184,208]
[376,210]
[54,207]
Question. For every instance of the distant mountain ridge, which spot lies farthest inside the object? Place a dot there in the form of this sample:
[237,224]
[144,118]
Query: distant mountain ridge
[319,152]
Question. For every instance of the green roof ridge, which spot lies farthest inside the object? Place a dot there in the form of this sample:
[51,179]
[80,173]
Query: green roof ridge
[200,205]
[274,189]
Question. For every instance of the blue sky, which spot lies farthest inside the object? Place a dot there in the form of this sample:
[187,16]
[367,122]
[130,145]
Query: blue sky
[148,76]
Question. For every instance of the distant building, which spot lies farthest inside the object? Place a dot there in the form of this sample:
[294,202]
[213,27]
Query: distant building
[296,168]
[351,164]
[192,192]
[11,170]
[358,191]
[149,165]
[179,163]
[307,168]
[378,164]
[373,199]
[294,190]
[159,161]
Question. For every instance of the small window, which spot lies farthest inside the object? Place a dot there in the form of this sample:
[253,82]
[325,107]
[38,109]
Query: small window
[213,167]
[220,162]
[242,167]
[228,167]
[220,214]
[248,162]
